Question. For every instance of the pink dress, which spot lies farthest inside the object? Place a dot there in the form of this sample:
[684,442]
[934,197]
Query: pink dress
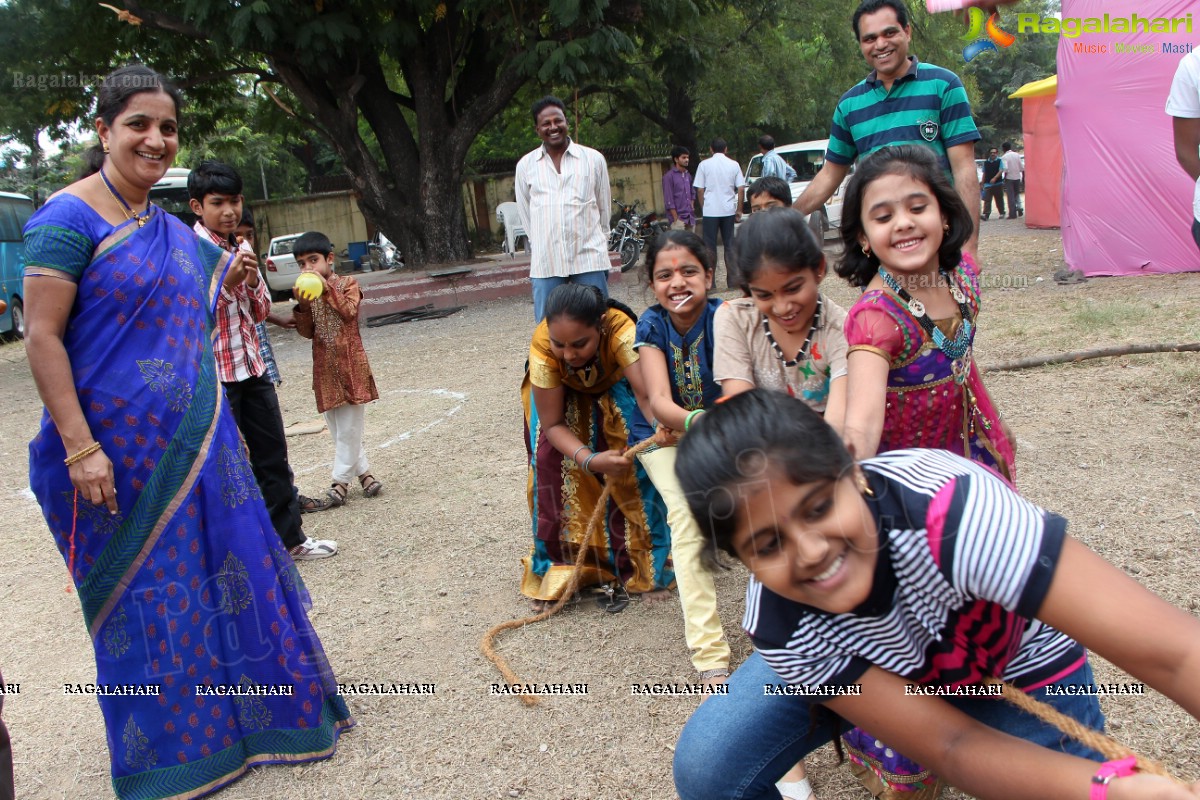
[932,400]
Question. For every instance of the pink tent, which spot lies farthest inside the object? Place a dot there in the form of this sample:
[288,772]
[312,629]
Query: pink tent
[1126,204]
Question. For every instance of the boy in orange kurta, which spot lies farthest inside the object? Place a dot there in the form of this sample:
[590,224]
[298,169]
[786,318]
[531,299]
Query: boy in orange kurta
[342,379]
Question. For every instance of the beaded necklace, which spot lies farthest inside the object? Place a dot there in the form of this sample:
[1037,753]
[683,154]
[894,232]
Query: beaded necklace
[141,218]
[803,353]
[957,348]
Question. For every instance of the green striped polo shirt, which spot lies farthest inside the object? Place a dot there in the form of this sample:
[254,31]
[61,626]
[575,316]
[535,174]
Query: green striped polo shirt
[926,105]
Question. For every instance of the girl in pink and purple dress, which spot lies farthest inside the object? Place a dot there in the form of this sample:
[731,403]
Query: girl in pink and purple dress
[913,381]
[912,378]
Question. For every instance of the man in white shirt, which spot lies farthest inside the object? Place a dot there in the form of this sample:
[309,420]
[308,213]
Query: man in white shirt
[719,188]
[563,199]
[1183,103]
[1013,175]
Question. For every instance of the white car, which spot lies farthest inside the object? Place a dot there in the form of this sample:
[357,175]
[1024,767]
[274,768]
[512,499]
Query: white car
[280,268]
[806,158]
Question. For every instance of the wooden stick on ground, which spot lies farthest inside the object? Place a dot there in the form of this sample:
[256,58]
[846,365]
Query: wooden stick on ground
[1080,355]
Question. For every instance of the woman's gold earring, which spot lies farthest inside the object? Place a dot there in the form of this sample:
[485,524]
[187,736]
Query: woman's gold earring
[104,147]
[864,487]
[866,251]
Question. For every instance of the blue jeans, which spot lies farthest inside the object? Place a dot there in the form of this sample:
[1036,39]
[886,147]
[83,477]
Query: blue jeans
[542,287]
[736,746]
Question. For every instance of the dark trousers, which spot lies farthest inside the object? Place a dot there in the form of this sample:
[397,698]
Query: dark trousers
[7,790]
[723,225]
[990,193]
[255,407]
[1013,190]
[1196,231]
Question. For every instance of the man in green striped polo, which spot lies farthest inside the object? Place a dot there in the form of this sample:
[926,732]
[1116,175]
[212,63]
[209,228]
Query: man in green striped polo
[902,101]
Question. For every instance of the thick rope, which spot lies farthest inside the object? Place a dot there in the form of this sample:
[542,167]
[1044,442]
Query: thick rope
[488,644]
[1101,743]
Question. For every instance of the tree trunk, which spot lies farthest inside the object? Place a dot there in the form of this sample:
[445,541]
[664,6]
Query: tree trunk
[681,120]
[428,224]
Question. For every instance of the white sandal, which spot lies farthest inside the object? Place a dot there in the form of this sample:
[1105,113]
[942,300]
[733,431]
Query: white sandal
[795,790]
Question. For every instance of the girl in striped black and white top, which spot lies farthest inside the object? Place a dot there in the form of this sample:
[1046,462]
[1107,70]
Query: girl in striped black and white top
[887,591]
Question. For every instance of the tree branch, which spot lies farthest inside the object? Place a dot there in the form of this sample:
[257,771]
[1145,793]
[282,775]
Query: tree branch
[163,22]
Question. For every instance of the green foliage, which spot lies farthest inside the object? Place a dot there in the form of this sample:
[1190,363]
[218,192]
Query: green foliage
[996,75]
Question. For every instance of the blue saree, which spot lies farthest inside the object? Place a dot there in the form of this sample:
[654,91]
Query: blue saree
[188,591]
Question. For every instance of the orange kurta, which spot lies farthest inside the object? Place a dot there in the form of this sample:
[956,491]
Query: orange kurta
[341,374]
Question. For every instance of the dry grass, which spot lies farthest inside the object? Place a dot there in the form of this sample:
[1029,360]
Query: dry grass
[433,562]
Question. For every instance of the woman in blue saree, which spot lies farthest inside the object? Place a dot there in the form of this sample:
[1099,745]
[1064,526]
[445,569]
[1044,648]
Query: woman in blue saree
[197,614]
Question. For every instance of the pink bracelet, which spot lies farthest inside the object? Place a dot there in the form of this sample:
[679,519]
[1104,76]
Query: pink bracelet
[1108,770]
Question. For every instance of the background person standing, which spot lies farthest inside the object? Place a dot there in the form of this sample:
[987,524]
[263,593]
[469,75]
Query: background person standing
[563,199]
[677,190]
[719,188]
[1013,175]
[773,165]
[1183,103]
[902,101]
[993,184]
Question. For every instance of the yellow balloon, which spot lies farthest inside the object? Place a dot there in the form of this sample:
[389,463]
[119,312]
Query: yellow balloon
[309,286]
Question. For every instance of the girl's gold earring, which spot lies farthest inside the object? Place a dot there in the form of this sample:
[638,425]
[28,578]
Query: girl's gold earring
[104,147]
[866,251]
[864,487]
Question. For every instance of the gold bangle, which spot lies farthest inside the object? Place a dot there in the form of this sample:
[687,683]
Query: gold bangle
[82,454]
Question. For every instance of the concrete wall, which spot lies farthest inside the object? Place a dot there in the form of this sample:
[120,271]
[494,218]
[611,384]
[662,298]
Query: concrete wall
[337,215]
[334,214]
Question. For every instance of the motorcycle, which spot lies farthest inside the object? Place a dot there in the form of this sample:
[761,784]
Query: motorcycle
[632,232]
[625,240]
[383,254]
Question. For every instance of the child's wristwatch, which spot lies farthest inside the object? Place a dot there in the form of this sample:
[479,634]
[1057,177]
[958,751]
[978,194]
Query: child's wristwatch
[1108,770]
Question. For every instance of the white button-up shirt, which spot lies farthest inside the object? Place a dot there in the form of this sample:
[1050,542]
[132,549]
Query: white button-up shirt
[719,177]
[565,214]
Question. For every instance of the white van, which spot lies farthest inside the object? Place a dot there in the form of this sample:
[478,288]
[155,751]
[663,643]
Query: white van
[171,193]
[806,158]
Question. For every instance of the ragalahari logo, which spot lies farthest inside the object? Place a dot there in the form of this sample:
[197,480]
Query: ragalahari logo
[995,34]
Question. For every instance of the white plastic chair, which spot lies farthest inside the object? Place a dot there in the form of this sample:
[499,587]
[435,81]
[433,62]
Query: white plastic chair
[506,214]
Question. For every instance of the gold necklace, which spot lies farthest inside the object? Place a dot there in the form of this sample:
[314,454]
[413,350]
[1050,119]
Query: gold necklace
[126,209]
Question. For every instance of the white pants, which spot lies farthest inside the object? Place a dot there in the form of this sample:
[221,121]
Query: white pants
[349,454]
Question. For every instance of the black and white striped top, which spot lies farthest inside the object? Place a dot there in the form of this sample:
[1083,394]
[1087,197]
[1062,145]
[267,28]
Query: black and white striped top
[966,565]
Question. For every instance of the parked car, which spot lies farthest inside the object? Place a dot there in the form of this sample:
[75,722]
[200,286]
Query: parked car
[806,158]
[280,268]
[171,193]
[15,210]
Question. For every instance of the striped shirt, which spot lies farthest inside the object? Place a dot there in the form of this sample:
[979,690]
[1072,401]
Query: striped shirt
[926,105]
[239,310]
[565,214]
[964,567]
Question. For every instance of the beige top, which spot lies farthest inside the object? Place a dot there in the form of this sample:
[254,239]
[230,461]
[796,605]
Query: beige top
[744,353]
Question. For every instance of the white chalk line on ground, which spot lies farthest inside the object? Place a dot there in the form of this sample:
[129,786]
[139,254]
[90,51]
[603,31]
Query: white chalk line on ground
[28,494]
[449,394]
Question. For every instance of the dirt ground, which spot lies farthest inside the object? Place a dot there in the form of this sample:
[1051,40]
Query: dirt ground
[430,564]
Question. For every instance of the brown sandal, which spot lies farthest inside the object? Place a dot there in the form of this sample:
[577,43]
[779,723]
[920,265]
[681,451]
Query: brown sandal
[337,494]
[311,505]
[370,485]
